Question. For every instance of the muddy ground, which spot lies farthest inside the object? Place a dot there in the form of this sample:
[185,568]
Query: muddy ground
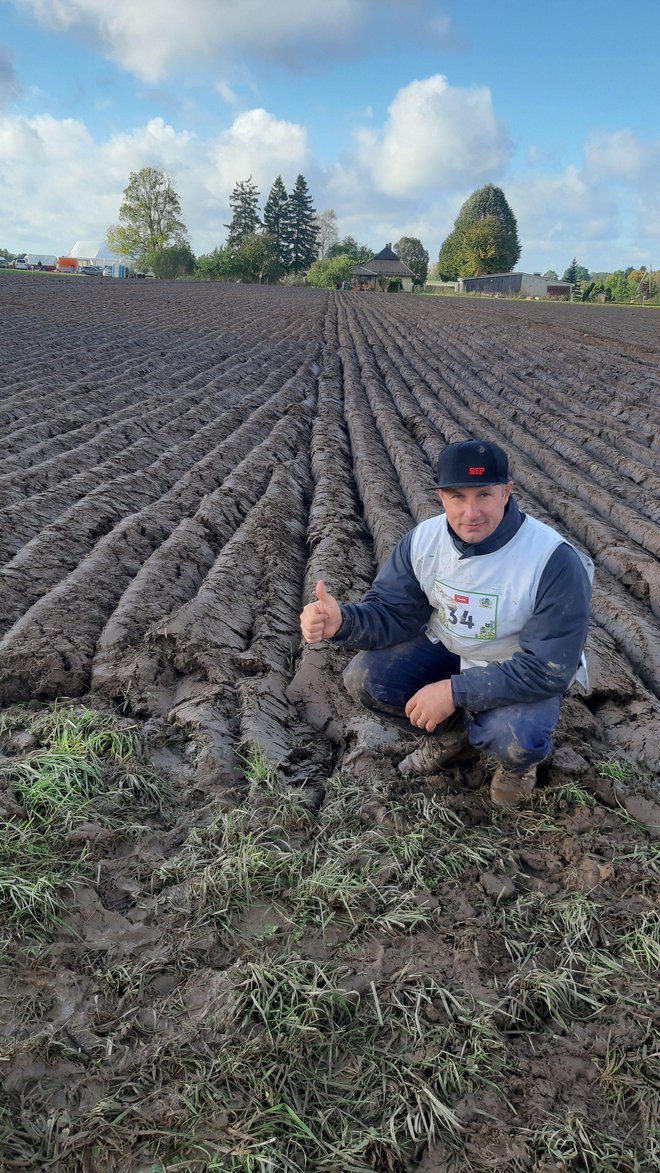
[180,464]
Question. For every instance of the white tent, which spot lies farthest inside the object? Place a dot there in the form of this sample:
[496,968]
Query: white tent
[90,252]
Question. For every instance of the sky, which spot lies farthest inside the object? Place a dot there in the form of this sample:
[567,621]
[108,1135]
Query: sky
[393,110]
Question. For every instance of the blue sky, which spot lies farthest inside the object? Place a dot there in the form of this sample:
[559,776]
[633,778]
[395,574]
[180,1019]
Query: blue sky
[394,110]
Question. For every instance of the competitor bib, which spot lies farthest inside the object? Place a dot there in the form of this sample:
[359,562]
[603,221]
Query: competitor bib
[470,614]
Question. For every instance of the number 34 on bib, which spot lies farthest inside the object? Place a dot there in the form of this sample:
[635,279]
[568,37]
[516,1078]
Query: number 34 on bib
[471,614]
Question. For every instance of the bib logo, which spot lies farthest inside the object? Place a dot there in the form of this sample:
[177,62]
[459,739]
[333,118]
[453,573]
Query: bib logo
[461,598]
[476,472]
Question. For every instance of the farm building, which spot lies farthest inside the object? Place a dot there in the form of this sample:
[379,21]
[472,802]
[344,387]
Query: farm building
[382,272]
[528,284]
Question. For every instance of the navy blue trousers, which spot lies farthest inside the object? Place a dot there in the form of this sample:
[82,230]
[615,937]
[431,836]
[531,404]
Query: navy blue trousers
[383,680]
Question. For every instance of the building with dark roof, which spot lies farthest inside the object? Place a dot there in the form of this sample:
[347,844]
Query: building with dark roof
[383,273]
[510,284]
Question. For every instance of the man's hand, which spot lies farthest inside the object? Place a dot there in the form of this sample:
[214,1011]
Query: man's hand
[431,705]
[322,619]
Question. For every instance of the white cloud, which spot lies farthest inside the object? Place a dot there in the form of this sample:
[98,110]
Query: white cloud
[552,207]
[58,185]
[436,136]
[51,185]
[260,145]
[630,165]
[151,37]
[155,145]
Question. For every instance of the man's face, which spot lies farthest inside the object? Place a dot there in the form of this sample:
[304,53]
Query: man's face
[475,513]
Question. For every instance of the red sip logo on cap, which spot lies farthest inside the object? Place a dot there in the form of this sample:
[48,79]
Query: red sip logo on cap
[476,472]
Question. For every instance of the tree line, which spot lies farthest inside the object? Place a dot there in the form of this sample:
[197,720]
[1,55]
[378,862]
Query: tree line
[289,239]
[283,239]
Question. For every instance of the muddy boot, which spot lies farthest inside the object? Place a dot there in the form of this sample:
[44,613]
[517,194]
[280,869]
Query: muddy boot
[509,789]
[434,752]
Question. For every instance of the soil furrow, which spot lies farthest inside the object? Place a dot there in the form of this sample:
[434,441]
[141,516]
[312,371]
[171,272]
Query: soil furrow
[456,379]
[384,505]
[129,540]
[173,574]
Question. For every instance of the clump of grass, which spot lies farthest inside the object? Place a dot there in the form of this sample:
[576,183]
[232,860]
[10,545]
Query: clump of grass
[571,794]
[641,944]
[617,770]
[630,1077]
[31,903]
[536,996]
[52,784]
[79,756]
[32,880]
[84,732]
[646,856]
[577,1144]
[540,921]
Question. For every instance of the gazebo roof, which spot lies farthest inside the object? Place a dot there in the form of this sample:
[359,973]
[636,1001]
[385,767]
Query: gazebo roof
[384,264]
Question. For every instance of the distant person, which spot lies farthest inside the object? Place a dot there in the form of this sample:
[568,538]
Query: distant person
[473,629]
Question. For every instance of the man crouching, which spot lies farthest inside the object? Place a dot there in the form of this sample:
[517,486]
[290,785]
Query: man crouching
[473,629]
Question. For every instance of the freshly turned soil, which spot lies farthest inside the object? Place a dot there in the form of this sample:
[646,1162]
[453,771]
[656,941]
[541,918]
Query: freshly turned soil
[181,462]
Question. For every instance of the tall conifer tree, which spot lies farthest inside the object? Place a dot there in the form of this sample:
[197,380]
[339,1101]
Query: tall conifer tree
[244,203]
[276,221]
[302,231]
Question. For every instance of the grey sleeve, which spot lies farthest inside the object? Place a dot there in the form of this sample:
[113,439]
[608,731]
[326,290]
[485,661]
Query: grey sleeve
[551,643]
[394,608]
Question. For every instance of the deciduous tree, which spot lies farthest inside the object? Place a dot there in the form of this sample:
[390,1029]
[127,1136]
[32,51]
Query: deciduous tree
[330,273]
[326,224]
[176,261]
[448,258]
[150,216]
[218,265]
[411,251]
[348,246]
[256,258]
[479,248]
[496,244]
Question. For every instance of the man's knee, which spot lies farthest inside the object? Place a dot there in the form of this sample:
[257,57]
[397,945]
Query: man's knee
[519,736]
[366,683]
[356,678]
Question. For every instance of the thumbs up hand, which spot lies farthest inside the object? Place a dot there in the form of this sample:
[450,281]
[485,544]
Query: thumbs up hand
[322,619]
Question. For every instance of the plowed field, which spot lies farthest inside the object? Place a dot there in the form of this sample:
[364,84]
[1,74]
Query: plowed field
[180,463]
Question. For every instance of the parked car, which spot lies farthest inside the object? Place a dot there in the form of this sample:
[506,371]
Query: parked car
[91,270]
[20,264]
[4,263]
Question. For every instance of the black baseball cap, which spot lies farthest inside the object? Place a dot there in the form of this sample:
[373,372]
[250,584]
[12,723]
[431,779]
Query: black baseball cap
[472,462]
